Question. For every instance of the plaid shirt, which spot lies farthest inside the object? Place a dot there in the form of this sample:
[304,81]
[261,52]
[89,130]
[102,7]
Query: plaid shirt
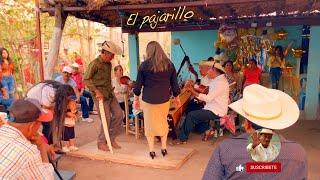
[19,159]
[232,152]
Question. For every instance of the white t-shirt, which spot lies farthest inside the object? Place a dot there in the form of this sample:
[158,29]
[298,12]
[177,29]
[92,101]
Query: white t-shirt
[119,90]
[71,82]
[43,93]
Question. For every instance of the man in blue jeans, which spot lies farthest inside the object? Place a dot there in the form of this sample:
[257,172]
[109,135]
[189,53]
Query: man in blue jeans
[4,97]
[66,79]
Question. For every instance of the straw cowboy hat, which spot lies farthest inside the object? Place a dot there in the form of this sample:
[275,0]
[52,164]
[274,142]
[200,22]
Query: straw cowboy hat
[202,63]
[217,65]
[266,131]
[111,47]
[268,108]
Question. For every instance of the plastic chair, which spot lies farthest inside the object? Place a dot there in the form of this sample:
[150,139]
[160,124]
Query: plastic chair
[138,130]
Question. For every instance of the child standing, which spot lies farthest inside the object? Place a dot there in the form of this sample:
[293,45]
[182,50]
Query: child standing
[69,134]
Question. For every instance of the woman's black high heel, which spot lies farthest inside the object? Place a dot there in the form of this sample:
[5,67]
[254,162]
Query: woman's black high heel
[152,154]
[164,152]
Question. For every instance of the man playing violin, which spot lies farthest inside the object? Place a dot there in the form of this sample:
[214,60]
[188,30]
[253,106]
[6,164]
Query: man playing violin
[216,103]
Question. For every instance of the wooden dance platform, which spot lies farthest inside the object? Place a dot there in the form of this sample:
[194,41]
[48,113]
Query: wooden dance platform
[134,153]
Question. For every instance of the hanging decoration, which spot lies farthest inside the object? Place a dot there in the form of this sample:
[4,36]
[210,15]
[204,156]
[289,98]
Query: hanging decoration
[282,34]
[242,44]
[297,53]
[228,35]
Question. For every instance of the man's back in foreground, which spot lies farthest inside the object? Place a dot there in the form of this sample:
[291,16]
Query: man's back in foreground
[231,153]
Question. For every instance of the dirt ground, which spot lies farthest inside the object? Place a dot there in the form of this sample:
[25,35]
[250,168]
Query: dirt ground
[306,133]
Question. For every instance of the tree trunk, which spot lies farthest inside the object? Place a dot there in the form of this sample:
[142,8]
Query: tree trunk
[60,19]
[81,41]
[89,44]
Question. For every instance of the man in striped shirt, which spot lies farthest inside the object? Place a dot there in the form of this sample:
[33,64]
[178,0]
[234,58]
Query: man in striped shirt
[23,154]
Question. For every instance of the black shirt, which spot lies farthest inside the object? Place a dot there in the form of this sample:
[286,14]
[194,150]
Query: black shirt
[156,86]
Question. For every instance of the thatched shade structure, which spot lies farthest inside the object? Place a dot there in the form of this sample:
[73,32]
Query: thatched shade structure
[208,14]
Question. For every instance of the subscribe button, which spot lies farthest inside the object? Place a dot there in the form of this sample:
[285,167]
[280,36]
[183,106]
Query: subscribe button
[263,167]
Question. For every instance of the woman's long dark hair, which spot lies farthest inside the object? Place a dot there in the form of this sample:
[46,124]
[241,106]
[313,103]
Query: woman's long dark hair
[60,108]
[62,92]
[1,58]
[280,51]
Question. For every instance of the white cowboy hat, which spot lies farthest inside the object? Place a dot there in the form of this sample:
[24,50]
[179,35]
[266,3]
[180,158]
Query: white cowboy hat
[75,65]
[216,65]
[111,47]
[67,69]
[268,108]
[202,63]
[266,131]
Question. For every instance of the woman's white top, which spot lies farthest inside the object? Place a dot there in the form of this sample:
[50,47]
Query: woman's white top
[119,90]
[43,93]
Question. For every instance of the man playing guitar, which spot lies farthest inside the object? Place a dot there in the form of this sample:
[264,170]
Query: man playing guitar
[196,104]
[216,103]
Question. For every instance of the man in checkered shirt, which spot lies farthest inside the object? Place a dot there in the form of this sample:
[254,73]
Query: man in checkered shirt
[23,154]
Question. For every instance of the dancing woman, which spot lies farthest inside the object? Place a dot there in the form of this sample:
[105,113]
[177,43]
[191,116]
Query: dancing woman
[157,75]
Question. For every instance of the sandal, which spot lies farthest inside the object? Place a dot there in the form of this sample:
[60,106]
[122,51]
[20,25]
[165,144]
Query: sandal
[208,135]
[177,142]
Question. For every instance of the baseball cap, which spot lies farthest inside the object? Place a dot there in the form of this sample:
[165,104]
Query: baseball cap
[67,69]
[111,47]
[27,110]
[75,65]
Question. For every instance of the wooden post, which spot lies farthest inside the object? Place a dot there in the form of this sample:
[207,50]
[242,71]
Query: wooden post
[39,41]
[134,54]
[60,19]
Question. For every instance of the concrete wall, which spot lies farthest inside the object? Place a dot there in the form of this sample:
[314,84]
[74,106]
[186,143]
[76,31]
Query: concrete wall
[312,89]
[198,45]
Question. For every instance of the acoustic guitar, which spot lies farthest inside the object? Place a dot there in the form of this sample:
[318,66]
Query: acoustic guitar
[199,88]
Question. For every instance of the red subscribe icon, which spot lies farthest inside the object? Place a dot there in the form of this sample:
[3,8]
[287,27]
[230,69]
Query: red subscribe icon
[263,167]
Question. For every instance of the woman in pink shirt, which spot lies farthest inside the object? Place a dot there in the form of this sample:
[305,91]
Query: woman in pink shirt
[252,74]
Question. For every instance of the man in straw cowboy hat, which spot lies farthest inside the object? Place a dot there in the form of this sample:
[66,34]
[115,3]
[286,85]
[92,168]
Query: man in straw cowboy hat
[98,80]
[261,149]
[268,108]
[204,67]
[216,103]
[195,104]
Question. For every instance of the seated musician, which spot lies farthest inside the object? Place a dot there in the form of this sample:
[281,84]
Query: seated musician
[204,67]
[195,104]
[216,103]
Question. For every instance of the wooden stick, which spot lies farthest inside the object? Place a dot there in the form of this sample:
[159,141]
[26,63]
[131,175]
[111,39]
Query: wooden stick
[105,125]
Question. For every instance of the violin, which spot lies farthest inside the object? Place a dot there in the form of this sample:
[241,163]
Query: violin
[126,81]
